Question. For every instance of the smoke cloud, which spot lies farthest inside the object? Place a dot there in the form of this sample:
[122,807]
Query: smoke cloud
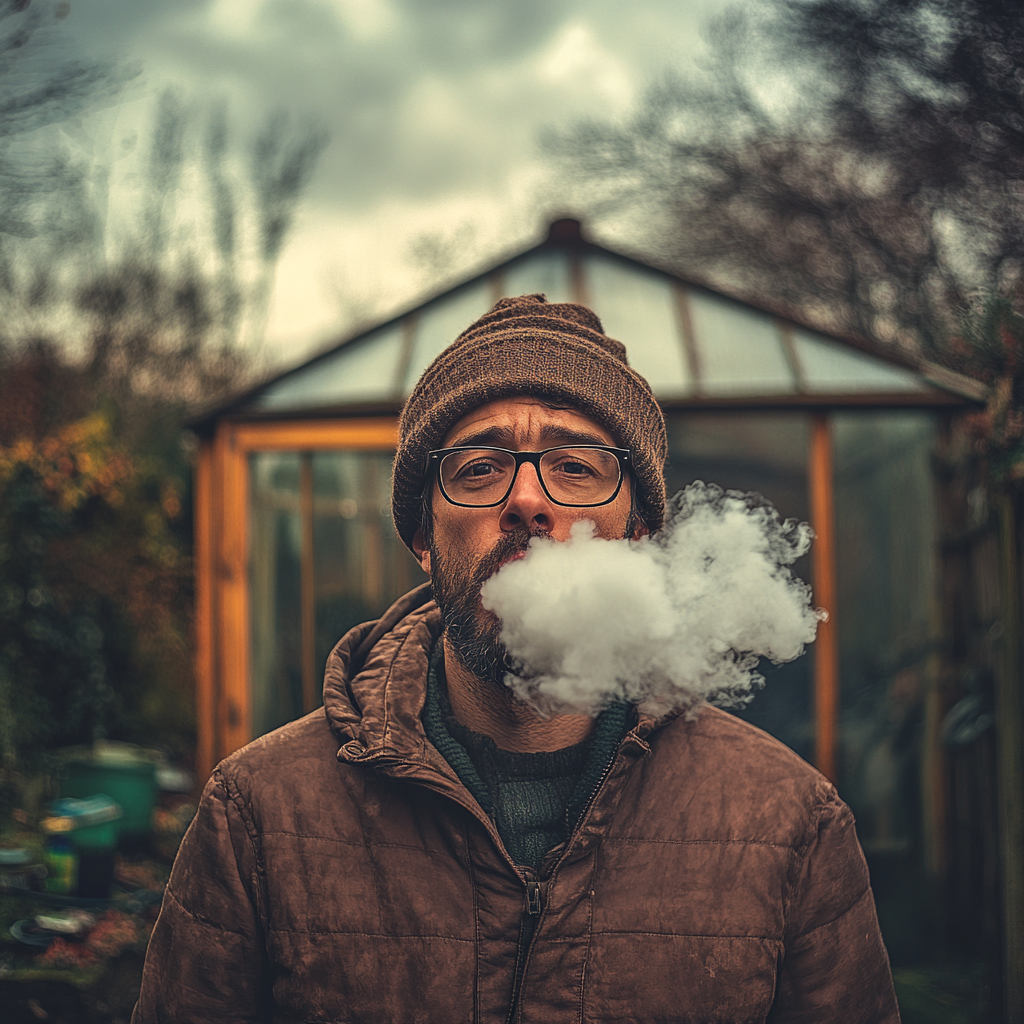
[667,622]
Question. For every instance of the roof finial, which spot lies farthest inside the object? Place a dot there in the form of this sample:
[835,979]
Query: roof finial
[565,231]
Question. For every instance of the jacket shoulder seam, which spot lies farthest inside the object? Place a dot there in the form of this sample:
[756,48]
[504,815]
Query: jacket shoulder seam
[801,850]
[866,891]
[244,812]
[205,921]
[233,793]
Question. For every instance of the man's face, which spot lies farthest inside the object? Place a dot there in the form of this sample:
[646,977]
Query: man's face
[468,545]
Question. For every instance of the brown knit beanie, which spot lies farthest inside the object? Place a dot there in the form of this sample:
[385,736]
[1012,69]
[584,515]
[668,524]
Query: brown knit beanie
[528,346]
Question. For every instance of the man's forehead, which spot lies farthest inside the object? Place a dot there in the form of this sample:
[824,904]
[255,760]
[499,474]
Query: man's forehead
[523,422]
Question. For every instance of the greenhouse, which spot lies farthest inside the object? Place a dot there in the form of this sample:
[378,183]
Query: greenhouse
[295,543]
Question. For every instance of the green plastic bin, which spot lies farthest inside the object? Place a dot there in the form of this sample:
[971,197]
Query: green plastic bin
[126,773]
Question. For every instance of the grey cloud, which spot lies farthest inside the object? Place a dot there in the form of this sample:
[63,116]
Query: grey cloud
[416,112]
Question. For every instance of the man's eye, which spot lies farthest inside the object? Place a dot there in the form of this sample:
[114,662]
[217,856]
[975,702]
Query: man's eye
[571,467]
[478,470]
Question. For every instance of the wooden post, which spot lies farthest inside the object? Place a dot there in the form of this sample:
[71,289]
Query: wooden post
[1010,764]
[823,563]
[234,706]
[206,695]
[307,584]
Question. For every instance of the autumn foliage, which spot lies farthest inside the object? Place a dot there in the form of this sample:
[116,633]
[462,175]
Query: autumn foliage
[95,576]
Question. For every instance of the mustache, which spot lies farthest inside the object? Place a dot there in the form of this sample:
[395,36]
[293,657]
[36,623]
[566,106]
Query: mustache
[511,544]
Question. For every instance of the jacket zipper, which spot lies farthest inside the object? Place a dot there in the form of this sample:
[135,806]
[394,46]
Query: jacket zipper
[570,826]
[533,908]
[534,904]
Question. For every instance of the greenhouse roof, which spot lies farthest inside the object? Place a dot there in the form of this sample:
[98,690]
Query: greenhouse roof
[694,345]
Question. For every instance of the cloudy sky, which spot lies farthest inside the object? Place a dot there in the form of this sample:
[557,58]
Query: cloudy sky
[433,108]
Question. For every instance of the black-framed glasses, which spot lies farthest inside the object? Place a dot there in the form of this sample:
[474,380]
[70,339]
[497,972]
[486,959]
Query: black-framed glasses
[578,475]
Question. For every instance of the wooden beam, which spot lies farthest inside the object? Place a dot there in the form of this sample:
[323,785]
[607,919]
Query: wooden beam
[578,279]
[823,564]
[234,706]
[497,284]
[312,435]
[813,402]
[206,696]
[307,584]
[684,319]
[409,325]
[785,329]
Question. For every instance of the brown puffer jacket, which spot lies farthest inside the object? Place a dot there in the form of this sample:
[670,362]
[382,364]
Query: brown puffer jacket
[714,877]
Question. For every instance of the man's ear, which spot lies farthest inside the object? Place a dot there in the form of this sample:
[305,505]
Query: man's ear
[421,550]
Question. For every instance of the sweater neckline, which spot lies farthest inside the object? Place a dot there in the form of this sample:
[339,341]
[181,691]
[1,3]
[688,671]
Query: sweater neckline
[587,759]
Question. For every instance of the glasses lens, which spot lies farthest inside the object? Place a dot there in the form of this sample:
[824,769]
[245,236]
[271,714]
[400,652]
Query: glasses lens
[477,476]
[580,476]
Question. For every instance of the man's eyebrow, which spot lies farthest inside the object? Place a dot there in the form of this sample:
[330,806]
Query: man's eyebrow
[568,435]
[492,437]
[504,437]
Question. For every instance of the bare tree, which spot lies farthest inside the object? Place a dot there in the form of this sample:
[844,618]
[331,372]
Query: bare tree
[44,190]
[172,320]
[861,161]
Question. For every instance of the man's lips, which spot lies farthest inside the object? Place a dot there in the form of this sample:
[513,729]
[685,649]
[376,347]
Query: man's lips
[511,558]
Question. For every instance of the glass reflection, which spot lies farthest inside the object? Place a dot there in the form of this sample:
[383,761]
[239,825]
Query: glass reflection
[739,348]
[363,371]
[441,323]
[544,272]
[767,453]
[885,540]
[359,566]
[275,579]
[639,308]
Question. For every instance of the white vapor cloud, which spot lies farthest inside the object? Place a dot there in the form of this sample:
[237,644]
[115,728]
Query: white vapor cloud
[667,622]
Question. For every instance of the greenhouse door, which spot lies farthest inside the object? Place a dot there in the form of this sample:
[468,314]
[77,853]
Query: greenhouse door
[294,545]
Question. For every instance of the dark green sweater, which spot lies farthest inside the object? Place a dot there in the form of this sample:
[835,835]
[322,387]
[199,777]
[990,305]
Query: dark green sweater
[534,800]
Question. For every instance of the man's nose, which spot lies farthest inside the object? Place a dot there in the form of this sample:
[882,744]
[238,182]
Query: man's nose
[527,504]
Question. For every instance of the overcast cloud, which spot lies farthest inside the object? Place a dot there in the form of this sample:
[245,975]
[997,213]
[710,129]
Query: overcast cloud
[434,108]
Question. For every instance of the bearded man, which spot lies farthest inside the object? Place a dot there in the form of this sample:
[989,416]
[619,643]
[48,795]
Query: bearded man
[426,847]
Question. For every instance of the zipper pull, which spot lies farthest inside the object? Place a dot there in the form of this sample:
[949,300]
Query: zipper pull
[533,897]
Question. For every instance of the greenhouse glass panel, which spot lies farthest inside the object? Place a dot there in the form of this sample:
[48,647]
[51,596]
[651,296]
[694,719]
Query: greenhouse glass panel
[885,543]
[639,308]
[275,587]
[739,348]
[360,565]
[766,453]
[544,272]
[440,323]
[361,372]
[831,367]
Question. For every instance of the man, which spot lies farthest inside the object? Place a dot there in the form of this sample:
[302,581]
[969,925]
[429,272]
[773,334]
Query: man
[427,848]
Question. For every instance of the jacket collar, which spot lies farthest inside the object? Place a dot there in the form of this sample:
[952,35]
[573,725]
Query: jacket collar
[375,685]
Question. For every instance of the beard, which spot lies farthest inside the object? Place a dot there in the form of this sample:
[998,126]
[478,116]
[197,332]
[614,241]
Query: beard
[473,633]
